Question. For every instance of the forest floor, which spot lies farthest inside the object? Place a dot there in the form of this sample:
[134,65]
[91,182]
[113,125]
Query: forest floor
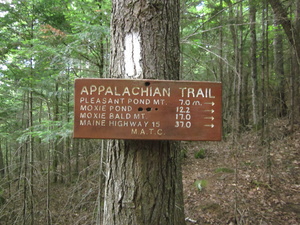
[243,182]
[235,181]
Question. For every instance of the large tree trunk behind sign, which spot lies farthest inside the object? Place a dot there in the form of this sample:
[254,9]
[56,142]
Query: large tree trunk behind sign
[143,179]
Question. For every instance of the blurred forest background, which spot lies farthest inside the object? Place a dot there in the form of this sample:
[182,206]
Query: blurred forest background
[46,177]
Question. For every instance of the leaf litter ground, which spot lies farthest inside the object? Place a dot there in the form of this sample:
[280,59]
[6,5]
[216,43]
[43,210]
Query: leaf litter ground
[244,182]
[237,181]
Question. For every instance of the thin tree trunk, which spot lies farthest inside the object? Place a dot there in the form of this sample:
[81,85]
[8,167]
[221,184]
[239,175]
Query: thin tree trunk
[86,153]
[56,145]
[8,161]
[264,137]
[254,62]
[239,67]
[48,213]
[77,145]
[99,216]
[31,157]
[221,63]
[237,80]
[221,43]
[30,126]
[292,31]
[2,166]
[297,68]
[67,139]
[21,148]
[279,69]
[293,89]
[143,181]
[25,184]
[264,71]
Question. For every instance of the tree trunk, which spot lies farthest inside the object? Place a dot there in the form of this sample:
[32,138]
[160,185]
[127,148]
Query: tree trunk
[48,201]
[56,145]
[31,157]
[292,32]
[2,167]
[279,70]
[143,180]
[254,61]
[237,38]
[264,69]
[297,63]
[68,139]
[239,67]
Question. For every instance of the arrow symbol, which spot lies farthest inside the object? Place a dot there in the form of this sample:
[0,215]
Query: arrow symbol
[210,110]
[210,125]
[209,118]
[210,103]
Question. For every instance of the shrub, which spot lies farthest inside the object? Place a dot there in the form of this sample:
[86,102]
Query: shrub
[201,154]
[200,184]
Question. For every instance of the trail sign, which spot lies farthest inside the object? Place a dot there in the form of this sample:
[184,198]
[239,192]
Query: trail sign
[147,109]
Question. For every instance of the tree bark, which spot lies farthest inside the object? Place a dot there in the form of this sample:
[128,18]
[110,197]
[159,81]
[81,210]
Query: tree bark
[56,147]
[254,61]
[143,179]
[292,31]
[143,185]
[2,167]
[237,75]
[289,28]
[264,75]
[297,81]
[279,69]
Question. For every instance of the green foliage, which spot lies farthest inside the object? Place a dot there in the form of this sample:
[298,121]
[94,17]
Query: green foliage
[183,152]
[261,184]
[44,45]
[201,154]
[200,184]
[47,131]
[224,170]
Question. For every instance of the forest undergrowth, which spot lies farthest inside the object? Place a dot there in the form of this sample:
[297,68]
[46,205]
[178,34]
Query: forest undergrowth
[228,182]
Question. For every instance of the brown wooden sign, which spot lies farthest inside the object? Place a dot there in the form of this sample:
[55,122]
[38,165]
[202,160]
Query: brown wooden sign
[147,109]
